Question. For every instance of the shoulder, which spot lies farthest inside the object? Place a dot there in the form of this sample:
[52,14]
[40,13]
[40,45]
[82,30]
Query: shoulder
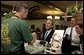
[6,20]
[52,31]
[15,19]
[22,22]
[68,28]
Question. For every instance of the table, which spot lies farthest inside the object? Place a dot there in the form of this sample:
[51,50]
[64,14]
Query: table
[34,49]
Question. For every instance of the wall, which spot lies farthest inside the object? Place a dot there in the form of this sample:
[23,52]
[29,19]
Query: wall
[39,23]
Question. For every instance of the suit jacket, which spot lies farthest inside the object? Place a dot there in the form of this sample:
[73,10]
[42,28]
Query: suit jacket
[49,35]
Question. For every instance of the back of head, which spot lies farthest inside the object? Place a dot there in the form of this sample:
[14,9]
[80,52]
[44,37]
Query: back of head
[21,11]
[21,7]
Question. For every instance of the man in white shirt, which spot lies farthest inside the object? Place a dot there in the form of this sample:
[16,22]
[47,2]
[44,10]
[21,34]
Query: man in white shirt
[73,32]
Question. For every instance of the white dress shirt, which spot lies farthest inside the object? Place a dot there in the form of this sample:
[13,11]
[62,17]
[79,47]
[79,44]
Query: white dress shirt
[48,31]
[75,40]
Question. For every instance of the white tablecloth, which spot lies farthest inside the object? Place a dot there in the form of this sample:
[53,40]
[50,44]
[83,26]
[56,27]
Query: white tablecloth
[34,50]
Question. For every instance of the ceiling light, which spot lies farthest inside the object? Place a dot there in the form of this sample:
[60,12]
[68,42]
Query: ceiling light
[66,16]
[53,12]
[49,17]
[51,6]
[57,9]
[57,17]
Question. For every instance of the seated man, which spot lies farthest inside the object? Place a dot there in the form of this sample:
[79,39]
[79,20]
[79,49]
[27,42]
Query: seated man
[47,34]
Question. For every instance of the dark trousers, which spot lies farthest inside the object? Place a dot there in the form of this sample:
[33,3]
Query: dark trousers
[69,49]
[66,49]
[66,46]
[73,48]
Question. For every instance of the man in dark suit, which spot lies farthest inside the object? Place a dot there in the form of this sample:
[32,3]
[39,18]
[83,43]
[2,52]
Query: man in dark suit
[47,34]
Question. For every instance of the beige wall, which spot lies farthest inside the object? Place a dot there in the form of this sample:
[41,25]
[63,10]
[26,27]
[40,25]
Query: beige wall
[39,23]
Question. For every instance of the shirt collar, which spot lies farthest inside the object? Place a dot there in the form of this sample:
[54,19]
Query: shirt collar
[15,17]
[49,30]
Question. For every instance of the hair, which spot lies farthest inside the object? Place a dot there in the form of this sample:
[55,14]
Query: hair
[74,18]
[21,7]
[51,21]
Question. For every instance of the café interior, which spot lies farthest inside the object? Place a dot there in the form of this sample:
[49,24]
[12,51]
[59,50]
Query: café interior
[60,12]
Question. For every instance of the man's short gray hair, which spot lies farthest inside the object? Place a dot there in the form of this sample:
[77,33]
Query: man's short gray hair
[22,8]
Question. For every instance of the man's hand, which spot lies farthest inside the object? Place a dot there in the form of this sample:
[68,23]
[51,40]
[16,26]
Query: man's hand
[78,29]
[29,43]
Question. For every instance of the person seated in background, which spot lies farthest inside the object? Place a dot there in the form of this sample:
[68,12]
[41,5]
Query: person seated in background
[47,34]
[71,40]
[38,33]
[33,33]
